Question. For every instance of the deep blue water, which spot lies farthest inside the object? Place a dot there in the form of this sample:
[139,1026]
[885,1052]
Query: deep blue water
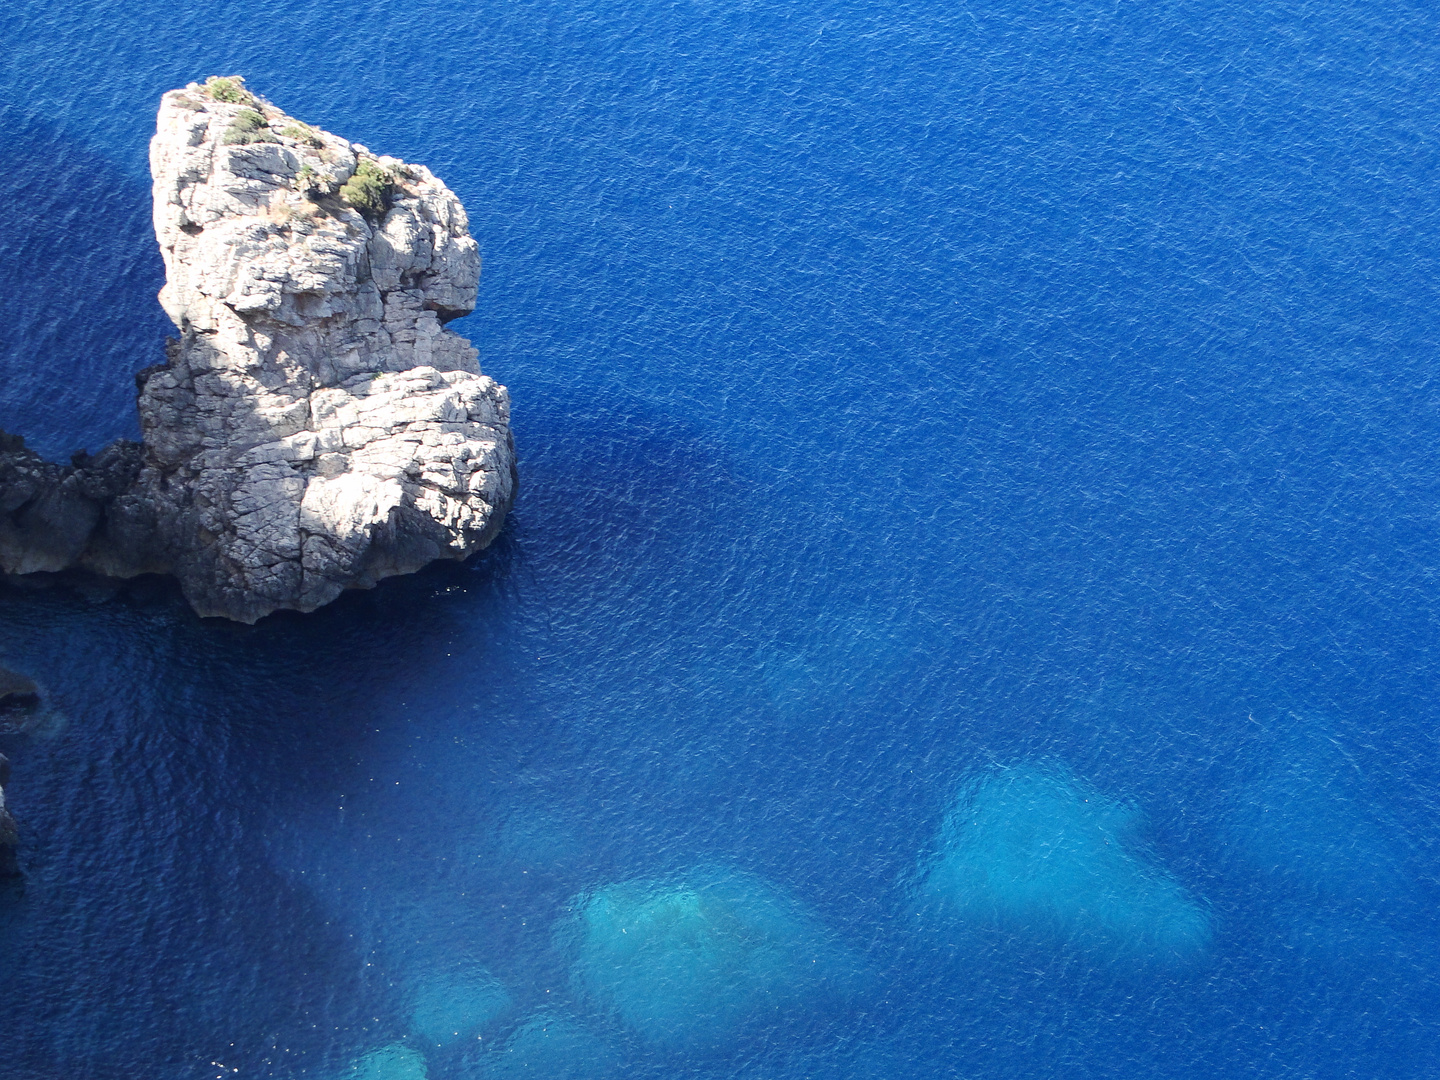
[940,423]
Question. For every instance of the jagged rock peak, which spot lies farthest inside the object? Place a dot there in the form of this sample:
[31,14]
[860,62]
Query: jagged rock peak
[316,427]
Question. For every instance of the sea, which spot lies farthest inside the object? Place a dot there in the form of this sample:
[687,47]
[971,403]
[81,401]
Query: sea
[970,609]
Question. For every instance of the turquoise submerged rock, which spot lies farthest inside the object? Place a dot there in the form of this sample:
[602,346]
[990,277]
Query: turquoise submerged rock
[394,1062]
[552,1046]
[1035,851]
[457,1008]
[687,963]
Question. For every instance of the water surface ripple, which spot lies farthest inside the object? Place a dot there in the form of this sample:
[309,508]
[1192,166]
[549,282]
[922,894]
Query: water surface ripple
[970,610]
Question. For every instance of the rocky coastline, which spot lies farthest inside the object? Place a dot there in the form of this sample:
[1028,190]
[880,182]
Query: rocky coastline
[315,427]
[18,697]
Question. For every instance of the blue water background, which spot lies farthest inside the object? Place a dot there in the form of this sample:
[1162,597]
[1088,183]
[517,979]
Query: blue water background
[902,391]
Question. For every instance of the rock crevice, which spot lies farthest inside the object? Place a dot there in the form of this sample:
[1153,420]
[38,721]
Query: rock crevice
[315,427]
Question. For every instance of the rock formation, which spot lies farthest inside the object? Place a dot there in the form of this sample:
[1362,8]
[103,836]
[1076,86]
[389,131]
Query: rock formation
[16,692]
[316,427]
[50,514]
[17,695]
[9,832]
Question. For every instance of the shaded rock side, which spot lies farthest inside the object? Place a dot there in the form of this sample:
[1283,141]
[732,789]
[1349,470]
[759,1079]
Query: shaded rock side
[316,427]
[16,693]
[52,516]
[9,832]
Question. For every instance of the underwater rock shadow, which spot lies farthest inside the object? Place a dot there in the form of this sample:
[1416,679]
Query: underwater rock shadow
[449,1009]
[1305,830]
[624,484]
[1305,810]
[394,1062]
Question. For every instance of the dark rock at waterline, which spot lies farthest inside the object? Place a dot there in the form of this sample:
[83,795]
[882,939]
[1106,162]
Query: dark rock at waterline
[9,833]
[55,516]
[17,692]
[9,837]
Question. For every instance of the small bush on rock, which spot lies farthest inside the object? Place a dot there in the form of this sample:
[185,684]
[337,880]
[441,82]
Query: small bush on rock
[368,189]
[248,127]
[229,88]
[302,133]
[311,184]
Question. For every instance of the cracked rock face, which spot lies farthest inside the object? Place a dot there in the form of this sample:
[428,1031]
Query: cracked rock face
[317,427]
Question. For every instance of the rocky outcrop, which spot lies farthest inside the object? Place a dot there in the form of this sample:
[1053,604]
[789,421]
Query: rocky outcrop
[17,694]
[316,426]
[50,514]
[9,831]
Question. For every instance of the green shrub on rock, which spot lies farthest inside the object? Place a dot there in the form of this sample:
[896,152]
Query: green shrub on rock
[248,127]
[302,133]
[249,120]
[368,189]
[229,88]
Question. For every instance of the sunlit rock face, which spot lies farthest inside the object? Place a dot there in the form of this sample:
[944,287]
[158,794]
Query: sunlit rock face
[1035,851]
[315,427]
[687,963]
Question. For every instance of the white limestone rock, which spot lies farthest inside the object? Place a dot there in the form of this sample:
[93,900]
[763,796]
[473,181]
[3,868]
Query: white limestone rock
[317,428]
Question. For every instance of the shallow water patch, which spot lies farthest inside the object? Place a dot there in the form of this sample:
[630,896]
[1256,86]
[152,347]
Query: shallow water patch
[394,1062]
[451,1009]
[1307,828]
[554,1046]
[1036,851]
[685,963]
